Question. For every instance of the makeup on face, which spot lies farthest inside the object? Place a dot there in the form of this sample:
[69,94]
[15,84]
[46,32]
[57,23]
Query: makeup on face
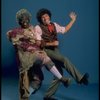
[24,22]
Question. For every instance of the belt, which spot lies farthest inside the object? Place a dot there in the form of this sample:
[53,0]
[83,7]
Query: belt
[50,47]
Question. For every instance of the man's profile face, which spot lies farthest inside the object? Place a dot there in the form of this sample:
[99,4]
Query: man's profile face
[45,19]
[24,22]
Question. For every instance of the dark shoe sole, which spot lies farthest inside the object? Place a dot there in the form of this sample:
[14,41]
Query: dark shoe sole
[84,80]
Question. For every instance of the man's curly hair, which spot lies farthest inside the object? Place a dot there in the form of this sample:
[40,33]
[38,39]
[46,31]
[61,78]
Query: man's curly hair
[21,13]
[41,12]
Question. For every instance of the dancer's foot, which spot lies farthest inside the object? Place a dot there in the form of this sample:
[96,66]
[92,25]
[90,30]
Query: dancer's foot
[84,79]
[66,81]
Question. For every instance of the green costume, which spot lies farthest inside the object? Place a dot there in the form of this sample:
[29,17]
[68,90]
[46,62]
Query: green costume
[28,53]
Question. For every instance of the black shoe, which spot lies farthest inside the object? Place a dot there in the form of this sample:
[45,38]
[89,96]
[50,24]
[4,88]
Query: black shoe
[49,98]
[84,79]
[66,81]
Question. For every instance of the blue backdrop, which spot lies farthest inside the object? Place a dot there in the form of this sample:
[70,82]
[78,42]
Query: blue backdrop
[80,44]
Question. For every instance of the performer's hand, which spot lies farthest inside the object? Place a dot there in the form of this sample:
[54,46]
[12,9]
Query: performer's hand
[73,16]
[42,44]
[54,43]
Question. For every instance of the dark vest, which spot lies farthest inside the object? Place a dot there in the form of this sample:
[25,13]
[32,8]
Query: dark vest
[47,35]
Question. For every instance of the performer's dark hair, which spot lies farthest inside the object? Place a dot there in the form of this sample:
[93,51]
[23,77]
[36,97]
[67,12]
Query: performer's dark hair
[41,12]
